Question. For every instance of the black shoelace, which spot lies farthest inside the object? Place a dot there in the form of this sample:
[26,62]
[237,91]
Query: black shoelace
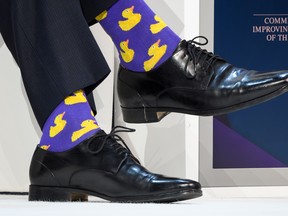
[112,139]
[198,55]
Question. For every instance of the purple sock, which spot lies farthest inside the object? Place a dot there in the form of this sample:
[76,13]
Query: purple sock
[142,38]
[70,123]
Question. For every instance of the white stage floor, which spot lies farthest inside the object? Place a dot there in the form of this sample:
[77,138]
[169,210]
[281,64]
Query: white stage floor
[18,205]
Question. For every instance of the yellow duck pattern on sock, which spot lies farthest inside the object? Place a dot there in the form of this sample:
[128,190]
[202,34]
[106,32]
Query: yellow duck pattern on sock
[87,126]
[45,147]
[63,124]
[59,126]
[78,97]
[159,26]
[102,16]
[156,52]
[135,20]
[132,19]
[127,54]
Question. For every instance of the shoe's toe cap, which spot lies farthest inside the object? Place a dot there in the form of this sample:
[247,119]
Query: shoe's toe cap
[166,183]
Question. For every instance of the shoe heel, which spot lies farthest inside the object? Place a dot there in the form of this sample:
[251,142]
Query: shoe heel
[142,115]
[55,194]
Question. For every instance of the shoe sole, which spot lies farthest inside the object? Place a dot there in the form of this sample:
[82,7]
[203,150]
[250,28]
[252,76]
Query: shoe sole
[156,114]
[60,194]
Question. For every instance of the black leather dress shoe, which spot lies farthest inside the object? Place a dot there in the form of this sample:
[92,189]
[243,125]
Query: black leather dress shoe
[194,81]
[102,167]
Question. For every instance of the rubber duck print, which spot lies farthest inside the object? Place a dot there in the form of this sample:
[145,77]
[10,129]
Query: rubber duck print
[92,113]
[78,97]
[132,19]
[102,16]
[158,27]
[156,52]
[127,54]
[45,147]
[59,125]
[87,126]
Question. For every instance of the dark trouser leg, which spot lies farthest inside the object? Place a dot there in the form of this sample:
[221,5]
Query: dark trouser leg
[54,48]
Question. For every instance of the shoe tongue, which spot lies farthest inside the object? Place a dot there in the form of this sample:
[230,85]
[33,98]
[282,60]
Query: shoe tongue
[100,133]
[181,45]
[97,140]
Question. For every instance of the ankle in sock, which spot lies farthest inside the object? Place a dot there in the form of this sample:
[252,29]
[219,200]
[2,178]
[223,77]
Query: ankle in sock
[69,124]
[142,38]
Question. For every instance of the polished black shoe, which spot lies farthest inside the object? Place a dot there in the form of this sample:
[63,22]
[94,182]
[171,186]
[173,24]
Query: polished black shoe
[102,167]
[194,81]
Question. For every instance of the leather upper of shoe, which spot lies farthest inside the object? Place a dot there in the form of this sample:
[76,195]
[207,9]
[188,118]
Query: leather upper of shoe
[194,77]
[101,165]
